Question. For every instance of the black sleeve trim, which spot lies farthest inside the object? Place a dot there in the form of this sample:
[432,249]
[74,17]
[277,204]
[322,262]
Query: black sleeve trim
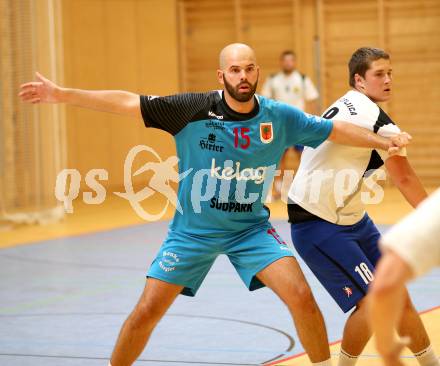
[172,113]
[375,159]
[382,120]
[375,163]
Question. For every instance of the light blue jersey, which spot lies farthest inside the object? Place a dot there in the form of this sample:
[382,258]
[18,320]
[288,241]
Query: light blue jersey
[232,157]
[228,160]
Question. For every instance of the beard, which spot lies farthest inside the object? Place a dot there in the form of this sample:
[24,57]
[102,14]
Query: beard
[235,92]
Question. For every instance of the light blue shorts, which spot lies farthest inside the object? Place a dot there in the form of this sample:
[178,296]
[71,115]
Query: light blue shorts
[186,259]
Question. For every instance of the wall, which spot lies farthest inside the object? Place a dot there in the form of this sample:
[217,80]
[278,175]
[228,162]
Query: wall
[153,47]
[117,44]
[31,137]
[410,31]
[269,26]
[325,33]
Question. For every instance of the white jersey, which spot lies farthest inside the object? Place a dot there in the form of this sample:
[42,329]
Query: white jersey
[329,178]
[293,89]
[416,239]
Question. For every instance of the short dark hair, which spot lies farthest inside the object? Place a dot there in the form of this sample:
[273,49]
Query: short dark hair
[361,61]
[287,53]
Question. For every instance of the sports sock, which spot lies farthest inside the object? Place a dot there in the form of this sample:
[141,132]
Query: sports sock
[345,359]
[427,357]
[323,363]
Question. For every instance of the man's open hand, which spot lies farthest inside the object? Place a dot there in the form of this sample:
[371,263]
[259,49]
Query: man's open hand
[41,91]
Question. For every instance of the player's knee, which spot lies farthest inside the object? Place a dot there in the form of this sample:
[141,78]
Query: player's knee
[302,297]
[147,313]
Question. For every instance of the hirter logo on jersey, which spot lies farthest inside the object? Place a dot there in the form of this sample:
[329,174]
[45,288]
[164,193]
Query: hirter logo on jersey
[266,132]
[348,291]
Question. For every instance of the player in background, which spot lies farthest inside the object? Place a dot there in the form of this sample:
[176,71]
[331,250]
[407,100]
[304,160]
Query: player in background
[330,228]
[290,86]
[234,159]
[411,248]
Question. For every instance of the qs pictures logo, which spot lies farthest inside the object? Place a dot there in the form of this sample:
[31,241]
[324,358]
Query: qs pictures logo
[164,172]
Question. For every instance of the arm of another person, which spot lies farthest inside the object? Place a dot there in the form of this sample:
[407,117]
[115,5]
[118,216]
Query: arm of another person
[385,306]
[405,179]
[114,101]
[411,248]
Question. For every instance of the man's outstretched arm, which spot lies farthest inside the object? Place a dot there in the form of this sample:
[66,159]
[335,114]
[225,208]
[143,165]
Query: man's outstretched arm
[350,134]
[114,101]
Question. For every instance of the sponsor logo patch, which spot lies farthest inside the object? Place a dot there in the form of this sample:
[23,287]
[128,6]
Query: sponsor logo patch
[229,173]
[169,261]
[211,143]
[215,125]
[212,114]
[230,206]
[266,132]
[348,291]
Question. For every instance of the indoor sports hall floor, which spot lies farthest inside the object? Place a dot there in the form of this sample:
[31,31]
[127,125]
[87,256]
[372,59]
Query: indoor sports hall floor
[66,288]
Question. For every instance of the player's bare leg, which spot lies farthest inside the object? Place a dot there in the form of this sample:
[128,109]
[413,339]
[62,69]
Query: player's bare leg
[286,279]
[153,303]
[411,325]
[391,303]
[357,333]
